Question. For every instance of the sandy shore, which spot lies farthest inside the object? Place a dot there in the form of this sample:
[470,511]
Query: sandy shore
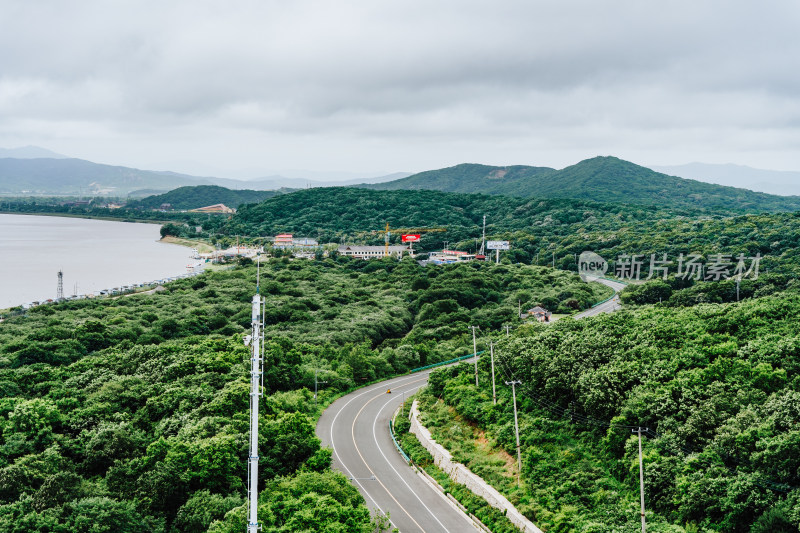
[201,246]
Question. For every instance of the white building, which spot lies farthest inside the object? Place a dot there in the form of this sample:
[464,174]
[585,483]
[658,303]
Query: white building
[305,242]
[449,256]
[372,252]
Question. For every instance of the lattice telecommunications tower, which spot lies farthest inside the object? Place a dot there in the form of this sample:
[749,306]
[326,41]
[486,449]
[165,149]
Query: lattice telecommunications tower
[256,387]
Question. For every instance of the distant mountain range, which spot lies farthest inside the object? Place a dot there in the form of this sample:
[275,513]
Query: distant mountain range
[36,171]
[279,182]
[603,179]
[769,181]
[79,177]
[30,152]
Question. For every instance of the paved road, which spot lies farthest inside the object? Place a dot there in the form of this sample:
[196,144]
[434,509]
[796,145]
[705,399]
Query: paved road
[605,307]
[356,427]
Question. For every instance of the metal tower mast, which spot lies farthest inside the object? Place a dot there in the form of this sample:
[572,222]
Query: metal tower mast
[60,291]
[256,386]
[483,236]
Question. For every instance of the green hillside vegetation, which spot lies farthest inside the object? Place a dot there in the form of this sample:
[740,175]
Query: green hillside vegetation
[601,179]
[717,386]
[192,197]
[677,292]
[468,178]
[537,228]
[341,212]
[131,414]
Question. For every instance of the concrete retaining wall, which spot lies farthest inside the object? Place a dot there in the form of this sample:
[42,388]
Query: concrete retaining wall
[464,476]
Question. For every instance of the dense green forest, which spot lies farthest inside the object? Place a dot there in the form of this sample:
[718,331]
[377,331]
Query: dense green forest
[131,414]
[357,214]
[192,197]
[539,230]
[717,387]
[603,179]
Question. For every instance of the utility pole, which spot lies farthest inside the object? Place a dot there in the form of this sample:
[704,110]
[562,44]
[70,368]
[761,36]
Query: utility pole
[641,474]
[738,279]
[315,386]
[508,326]
[494,393]
[554,260]
[483,236]
[475,352]
[513,384]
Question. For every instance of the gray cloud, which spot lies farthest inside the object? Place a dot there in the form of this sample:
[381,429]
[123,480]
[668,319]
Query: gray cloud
[422,83]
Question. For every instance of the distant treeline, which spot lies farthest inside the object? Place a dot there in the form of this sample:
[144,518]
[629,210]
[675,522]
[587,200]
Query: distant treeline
[201,196]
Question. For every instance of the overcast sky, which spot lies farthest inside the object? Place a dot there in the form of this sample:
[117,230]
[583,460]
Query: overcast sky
[242,88]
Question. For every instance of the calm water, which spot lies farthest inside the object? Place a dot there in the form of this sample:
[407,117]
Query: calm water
[94,254]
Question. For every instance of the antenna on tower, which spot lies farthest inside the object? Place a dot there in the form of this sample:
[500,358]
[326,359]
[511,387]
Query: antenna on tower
[483,237]
[258,271]
[60,291]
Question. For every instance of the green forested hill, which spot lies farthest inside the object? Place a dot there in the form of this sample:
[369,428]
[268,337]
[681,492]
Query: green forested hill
[716,387]
[469,178]
[192,197]
[540,230]
[131,414]
[602,179]
[339,211]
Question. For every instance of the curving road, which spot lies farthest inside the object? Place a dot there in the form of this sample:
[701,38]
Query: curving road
[356,428]
[606,307]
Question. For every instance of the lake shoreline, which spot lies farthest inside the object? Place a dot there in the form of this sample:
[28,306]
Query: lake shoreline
[94,255]
[199,245]
[89,217]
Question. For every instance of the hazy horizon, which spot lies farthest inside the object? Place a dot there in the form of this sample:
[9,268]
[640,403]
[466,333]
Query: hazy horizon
[265,86]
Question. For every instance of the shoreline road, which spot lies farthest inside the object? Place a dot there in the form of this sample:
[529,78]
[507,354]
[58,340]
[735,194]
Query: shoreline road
[356,428]
[606,307]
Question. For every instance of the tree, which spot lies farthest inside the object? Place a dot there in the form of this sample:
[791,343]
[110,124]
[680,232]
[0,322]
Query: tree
[171,230]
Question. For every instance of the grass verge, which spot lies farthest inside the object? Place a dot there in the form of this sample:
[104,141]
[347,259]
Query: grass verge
[493,518]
